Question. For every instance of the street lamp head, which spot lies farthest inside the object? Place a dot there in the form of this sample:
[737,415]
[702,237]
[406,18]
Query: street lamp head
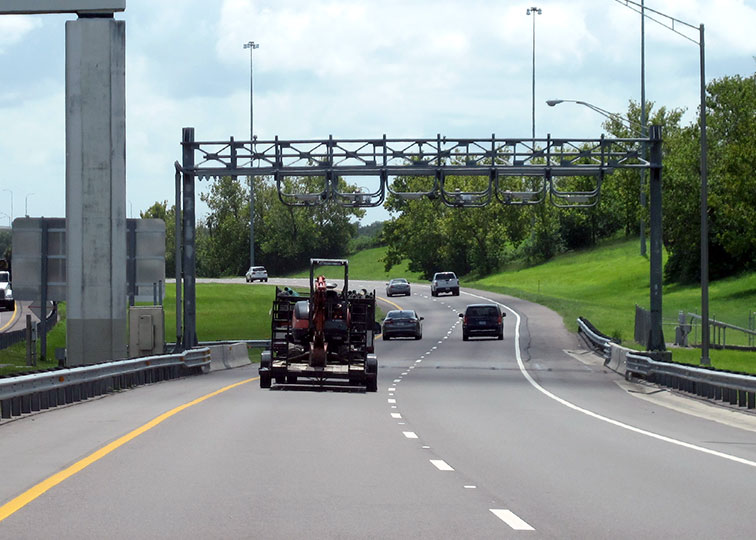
[533,10]
[637,129]
[251,45]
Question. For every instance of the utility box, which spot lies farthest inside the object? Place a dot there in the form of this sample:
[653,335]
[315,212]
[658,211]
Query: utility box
[146,330]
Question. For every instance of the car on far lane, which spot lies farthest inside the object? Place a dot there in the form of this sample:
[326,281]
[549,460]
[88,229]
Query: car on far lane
[256,272]
[482,320]
[444,282]
[402,323]
[398,286]
[6,293]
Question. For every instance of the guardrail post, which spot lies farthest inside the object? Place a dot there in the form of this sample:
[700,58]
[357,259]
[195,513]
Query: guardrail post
[31,352]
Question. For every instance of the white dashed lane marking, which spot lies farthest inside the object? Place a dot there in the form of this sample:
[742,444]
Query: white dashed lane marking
[509,517]
[441,465]
[396,415]
[410,434]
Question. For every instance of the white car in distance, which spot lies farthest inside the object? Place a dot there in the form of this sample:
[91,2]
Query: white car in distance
[256,272]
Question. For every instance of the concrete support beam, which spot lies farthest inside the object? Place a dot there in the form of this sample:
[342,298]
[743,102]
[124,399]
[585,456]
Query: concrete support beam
[96,190]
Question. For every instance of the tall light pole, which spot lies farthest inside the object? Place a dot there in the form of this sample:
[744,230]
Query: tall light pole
[251,45]
[26,204]
[642,224]
[11,194]
[673,24]
[533,11]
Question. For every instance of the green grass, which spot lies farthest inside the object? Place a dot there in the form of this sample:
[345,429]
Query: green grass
[225,311]
[366,265]
[728,360]
[14,357]
[604,285]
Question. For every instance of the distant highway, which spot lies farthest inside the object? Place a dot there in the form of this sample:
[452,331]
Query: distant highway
[529,437]
[14,320]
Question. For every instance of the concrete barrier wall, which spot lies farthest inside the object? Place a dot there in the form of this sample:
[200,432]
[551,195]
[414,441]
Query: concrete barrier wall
[228,356]
[618,358]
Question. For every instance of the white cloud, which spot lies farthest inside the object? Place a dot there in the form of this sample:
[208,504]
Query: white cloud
[358,68]
[13,28]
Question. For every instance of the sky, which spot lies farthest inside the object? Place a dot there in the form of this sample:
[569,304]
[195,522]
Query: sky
[351,69]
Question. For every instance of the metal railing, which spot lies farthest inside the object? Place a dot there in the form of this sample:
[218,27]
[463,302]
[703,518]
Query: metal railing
[250,343]
[688,332]
[594,338]
[733,388]
[38,391]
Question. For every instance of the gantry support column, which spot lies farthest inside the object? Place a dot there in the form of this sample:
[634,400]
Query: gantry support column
[96,190]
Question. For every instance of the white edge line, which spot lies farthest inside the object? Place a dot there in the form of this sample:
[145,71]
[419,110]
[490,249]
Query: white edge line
[608,420]
[511,519]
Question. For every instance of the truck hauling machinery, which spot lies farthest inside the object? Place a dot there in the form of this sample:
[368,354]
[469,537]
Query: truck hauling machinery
[326,337]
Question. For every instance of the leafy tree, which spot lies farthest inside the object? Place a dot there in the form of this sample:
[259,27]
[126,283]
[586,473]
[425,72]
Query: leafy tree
[227,250]
[435,237]
[621,192]
[731,136]
[292,235]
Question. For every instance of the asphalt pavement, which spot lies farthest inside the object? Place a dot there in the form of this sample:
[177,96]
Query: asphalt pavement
[527,436]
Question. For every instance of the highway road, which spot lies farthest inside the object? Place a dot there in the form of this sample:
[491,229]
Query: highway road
[523,438]
[11,319]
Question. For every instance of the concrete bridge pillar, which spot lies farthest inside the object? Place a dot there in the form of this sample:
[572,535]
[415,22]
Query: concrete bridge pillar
[95,190]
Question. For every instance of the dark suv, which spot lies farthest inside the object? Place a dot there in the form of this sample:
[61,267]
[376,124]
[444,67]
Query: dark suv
[482,320]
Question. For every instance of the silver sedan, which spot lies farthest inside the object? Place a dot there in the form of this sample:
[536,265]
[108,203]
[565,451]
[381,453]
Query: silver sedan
[398,286]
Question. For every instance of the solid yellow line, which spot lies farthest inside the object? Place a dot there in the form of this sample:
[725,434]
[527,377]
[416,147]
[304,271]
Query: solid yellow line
[12,319]
[397,306]
[29,495]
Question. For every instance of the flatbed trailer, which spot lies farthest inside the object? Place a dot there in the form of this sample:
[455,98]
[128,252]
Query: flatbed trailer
[324,339]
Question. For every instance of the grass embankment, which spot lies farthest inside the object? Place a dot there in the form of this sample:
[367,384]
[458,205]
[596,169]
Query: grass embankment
[366,265]
[604,285]
[13,359]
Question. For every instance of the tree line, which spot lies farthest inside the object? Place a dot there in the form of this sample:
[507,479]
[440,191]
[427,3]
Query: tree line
[433,236]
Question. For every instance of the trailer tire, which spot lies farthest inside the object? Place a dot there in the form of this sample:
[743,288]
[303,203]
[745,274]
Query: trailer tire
[371,382]
[371,373]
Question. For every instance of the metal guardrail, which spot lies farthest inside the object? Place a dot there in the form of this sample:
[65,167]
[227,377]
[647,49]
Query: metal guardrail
[595,339]
[251,343]
[37,391]
[744,337]
[733,388]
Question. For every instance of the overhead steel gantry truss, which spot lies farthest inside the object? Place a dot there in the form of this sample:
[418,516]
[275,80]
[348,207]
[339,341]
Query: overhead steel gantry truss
[499,160]
[503,164]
